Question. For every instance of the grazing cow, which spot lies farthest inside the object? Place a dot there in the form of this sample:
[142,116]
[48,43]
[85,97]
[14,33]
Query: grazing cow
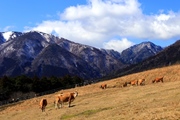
[103,86]
[65,97]
[141,82]
[133,82]
[159,79]
[43,104]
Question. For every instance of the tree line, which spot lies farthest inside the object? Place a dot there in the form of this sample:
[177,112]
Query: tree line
[25,84]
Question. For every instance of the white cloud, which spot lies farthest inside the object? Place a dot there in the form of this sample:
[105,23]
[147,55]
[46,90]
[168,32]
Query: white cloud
[163,17]
[102,8]
[118,45]
[100,20]
[7,28]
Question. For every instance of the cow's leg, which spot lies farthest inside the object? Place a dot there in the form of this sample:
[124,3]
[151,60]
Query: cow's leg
[61,104]
[56,105]
[69,103]
[43,108]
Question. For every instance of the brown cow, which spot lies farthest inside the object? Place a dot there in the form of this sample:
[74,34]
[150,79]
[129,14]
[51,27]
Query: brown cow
[141,82]
[65,97]
[133,82]
[103,86]
[43,104]
[159,79]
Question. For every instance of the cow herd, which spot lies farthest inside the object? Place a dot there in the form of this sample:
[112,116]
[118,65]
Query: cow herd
[138,82]
[134,82]
[70,97]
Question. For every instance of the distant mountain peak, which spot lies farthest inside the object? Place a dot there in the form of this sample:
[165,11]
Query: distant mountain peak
[168,56]
[139,52]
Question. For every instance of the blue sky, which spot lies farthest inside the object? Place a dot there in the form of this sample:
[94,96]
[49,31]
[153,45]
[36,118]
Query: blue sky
[109,24]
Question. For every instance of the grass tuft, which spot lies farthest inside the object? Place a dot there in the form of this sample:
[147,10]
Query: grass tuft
[85,113]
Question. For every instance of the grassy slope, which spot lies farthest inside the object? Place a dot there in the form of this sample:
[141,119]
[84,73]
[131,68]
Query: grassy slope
[152,101]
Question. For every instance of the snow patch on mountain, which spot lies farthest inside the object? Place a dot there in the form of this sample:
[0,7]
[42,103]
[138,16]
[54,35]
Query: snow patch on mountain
[10,35]
[7,35]
[47,37]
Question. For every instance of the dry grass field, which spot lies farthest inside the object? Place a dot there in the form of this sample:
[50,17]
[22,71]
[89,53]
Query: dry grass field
[158,101]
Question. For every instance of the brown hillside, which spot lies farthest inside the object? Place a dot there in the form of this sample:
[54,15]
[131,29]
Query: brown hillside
[152,101]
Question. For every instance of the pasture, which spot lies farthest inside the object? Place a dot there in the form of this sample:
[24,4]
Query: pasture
[150,101]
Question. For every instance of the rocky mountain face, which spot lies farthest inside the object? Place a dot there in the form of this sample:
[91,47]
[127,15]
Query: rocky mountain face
[100,60]
[41,54]
[57,61]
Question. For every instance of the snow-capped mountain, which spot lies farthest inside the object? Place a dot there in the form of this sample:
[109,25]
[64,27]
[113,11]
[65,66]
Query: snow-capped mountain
[37,53]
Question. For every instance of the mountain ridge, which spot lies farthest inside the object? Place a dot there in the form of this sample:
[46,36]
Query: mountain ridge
[26,49]
[168,56]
